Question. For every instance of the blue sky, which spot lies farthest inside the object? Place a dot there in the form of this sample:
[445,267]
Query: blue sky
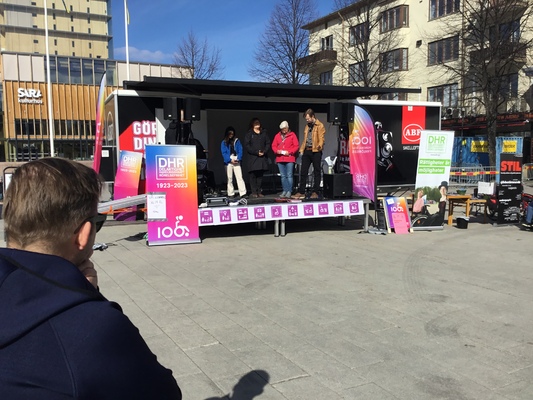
[157,26]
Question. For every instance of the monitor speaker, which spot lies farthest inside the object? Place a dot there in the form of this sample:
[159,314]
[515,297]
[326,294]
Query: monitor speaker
[335,113]
[338,186]
[170,108]
[192,109]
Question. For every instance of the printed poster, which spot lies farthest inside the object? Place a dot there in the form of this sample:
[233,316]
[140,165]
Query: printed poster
[397,214]
[434,158]
[172,201]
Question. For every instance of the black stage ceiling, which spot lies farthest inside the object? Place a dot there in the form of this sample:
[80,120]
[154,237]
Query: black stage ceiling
[243,91]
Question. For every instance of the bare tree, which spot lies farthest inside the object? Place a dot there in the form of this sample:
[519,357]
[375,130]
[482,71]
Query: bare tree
[338,4]
[486,48]
[284,43]
[370,54]
[202,61]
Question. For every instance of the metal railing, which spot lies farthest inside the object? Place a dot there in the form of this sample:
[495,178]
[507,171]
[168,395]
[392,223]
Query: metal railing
[472,175]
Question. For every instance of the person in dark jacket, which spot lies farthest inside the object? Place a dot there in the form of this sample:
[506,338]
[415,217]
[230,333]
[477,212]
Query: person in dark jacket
[257,144]
[61,338]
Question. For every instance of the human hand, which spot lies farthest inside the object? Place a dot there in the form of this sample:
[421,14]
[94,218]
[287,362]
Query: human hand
[261,153]
[87,269]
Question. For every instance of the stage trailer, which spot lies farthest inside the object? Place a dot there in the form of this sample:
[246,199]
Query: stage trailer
[139,115]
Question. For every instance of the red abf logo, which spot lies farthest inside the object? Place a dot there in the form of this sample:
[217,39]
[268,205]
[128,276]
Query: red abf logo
[413,122]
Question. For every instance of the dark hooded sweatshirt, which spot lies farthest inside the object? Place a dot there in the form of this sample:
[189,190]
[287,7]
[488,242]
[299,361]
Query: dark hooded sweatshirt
[61,339]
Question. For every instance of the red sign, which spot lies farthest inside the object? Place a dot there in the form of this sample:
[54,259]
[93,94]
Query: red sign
[136,136]
[413,122]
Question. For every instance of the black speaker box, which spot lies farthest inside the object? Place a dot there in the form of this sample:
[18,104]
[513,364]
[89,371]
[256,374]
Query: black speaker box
[108,163]
[335,113]
[347,113]
[338,186]
[192,109]
[170,108]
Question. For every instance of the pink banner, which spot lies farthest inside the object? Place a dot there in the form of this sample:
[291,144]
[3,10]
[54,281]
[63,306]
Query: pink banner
[362,150]
[171,194]
[99,138]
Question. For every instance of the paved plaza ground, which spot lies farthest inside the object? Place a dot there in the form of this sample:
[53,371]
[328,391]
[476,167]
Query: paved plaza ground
[328,312]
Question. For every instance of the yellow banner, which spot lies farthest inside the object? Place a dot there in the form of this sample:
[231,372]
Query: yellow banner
[482,146]
[479,146]
[509,146]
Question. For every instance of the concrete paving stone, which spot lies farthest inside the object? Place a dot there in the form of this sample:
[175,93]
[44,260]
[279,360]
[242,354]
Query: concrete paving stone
[525,374]
[216,361]
[265,358]
[210,318]
[368,391]
[199,386]
[171,356]
[187,334]
[520,390]
[275,336]
[234,337]
[305,388]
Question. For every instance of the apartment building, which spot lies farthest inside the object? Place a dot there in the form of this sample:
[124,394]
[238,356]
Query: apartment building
[81,50]
[434,45]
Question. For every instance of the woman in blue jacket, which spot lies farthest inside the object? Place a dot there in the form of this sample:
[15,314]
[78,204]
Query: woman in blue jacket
[231,149]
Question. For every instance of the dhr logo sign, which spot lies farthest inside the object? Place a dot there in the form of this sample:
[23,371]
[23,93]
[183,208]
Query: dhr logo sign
[171,167]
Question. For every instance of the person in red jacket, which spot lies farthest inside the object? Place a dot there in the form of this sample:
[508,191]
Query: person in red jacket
[285,146]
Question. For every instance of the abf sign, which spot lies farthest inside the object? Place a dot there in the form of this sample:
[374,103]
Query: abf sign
[30,96]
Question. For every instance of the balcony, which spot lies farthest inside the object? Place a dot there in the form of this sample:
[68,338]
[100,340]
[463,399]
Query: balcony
[514,51]
[323,58]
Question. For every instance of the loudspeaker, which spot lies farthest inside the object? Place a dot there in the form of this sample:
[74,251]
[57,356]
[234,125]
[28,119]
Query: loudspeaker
[192,109]
[335,113]
[338,186]
[348,113]
[170,108]
[108,163]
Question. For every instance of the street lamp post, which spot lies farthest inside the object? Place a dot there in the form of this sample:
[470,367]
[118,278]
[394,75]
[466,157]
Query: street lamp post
[49,84]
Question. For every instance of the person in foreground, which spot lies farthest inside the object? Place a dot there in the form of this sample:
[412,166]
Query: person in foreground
[60,338]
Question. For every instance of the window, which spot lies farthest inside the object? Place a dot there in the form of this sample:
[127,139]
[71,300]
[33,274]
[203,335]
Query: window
[509,85]
[395,60]
[394,18]
[73,43]
[326,78]
[359,34]
[440,8]
[88,10]
[327,43]
[55,42]
[443,50]
[72,18]
[357,72]
[55,27]
[394,96]
[90,45]
[62,70]
[87,72]
[508,32]
[35,41]
[53,69]
[72,29]
[75,70]
[446,94]
[54,6]
[89,30]
[53,15]
[33,14]
[33,3]
[88,20]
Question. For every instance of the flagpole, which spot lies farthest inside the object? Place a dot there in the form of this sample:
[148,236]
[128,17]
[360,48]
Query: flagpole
[127,46]
[49,84]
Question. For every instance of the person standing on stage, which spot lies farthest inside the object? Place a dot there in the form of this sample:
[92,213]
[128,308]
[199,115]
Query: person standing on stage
[311,151]
[231,149]
[257,144]
[285,146]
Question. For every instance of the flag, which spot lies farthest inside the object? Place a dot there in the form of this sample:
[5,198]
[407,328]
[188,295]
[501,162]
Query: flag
[99,135]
